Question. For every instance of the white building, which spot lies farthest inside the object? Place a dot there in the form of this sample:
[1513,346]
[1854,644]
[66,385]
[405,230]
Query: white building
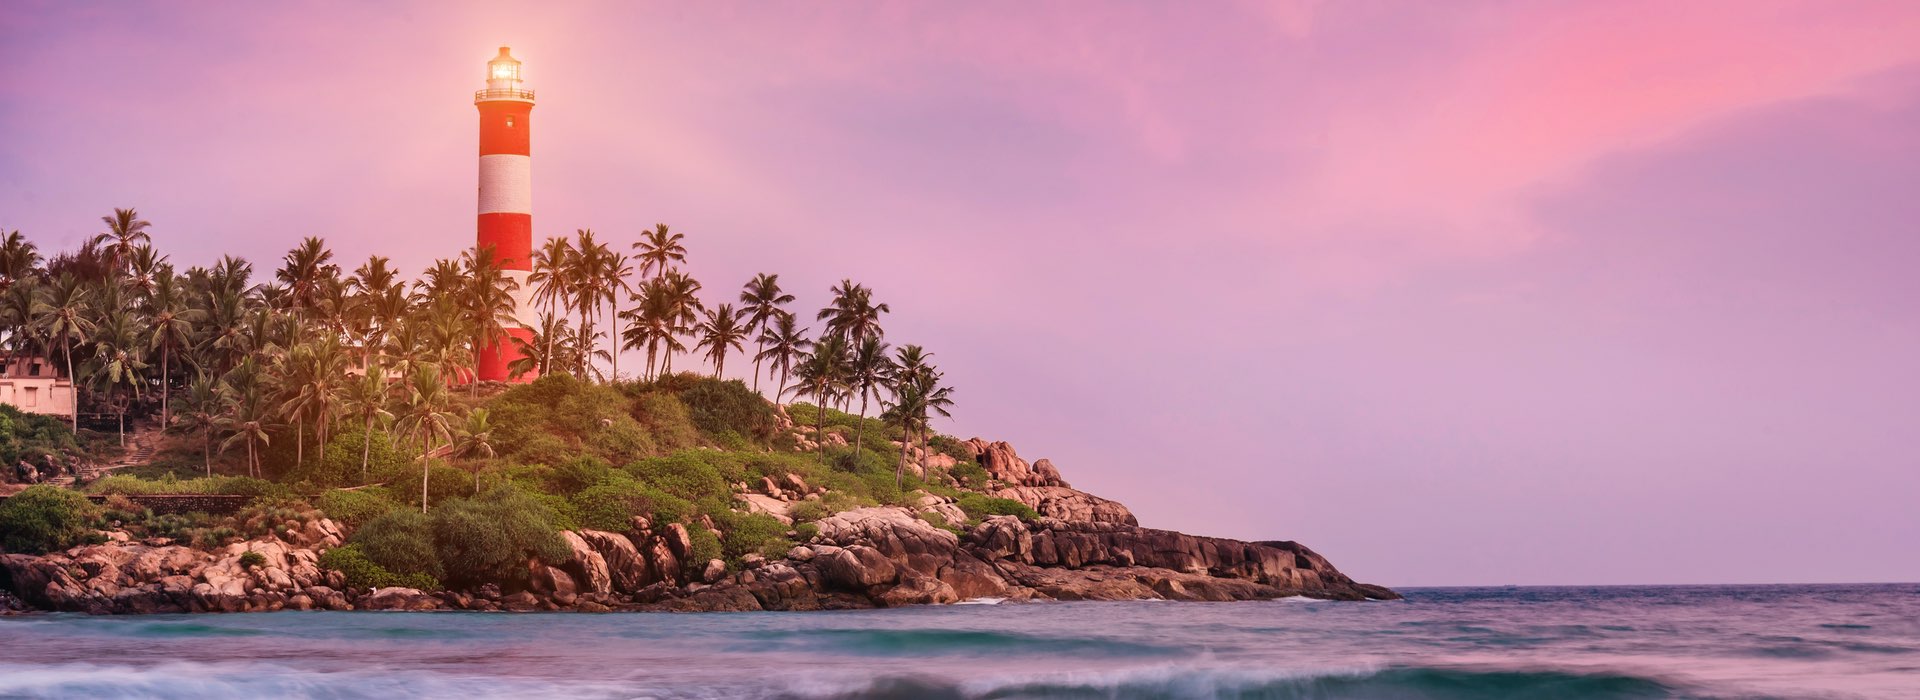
[33,384]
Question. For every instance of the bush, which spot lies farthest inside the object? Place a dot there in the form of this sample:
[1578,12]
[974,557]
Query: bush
[30,436]
[581,416]
[979,506]
[489,538]
[611,504]
[45,518]
[250,559]
[339,462]
[129,485]
[667,420]
[694,475]
[705,547]
[356,508]
[362,572]
[717,407]
[970,474]
[808,511]
[401,541]
[747,533]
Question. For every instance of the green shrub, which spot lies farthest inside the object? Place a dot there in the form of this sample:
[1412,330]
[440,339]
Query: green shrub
[576,474]
[717,407]
[489,538]
[362,572]
[751,532]
[694,475]
[611,504]
[557,416]
[401,541]
[250,559]
[705,547]
[667,420]
[808,511]
[970,474]
[978,506]
[339,462]
[355,508]
[805,532]
[44,519]
[30,436]
[218,485]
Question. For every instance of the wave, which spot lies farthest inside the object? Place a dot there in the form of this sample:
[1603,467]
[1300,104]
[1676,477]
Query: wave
[939,642]
[1410,683]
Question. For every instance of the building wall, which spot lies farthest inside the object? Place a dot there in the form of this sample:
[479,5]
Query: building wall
[33,385]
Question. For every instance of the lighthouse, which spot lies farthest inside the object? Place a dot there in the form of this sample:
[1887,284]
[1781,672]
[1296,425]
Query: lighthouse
[506,198]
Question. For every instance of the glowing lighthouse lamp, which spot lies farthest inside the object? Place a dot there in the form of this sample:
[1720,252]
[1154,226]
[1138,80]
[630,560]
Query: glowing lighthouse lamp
[506,198]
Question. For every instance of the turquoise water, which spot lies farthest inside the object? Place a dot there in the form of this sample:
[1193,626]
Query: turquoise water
[1651,642]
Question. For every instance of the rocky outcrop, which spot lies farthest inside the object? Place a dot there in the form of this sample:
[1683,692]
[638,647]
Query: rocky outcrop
[1002,463]
[1072,505]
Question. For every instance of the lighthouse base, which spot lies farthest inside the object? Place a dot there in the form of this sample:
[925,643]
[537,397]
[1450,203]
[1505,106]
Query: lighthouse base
[496,360]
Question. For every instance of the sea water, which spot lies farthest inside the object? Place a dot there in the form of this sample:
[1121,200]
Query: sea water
[1612,642]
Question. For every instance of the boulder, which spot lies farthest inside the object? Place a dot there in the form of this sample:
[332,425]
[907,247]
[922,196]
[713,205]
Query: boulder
[627,570]
[1002,463]
[714,570]
[586,564]
[399,598]
[918,590]
[857,568]
[1069,504]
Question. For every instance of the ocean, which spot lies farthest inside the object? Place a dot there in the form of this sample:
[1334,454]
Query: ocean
[1815,641]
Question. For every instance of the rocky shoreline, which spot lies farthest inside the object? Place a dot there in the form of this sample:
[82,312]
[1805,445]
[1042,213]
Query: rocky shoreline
[1082,547]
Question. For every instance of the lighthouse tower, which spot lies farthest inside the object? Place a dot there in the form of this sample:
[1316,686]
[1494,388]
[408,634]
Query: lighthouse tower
[506,197]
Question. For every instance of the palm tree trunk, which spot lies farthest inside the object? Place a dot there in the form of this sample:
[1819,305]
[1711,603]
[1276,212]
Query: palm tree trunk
[820,423]
[858,434]
[74,383]
[613,317]
[758,347]
[901,468]
[252,469]
[423,470]
[299,443]
[206,448]
[123,428]
[166,417]
[366,449]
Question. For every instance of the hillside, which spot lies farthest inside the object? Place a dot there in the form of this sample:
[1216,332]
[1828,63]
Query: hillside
[686,493]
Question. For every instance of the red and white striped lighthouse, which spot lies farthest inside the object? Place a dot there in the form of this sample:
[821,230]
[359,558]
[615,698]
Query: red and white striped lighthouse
[506,197]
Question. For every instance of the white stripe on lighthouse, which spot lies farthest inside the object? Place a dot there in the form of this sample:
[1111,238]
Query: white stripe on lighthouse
[506,184]
[524,309]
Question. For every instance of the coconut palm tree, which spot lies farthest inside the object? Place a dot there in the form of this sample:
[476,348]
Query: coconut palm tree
[721,330]
[205,403]
[659,249]
[487,299]
[19,258]
[170,323]
[63,314]
[249,417]
[550,339]
[853,316]
[781,344]
[552,267]
[305,271]
[473,439]
[125,229]
[820,375]
[590,271]
[762,300]
[143,267]
[365,399]
[680,300]
[116,367]
[423,411]
[867,370]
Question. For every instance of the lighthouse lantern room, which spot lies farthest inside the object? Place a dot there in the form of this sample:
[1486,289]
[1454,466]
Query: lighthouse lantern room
[506,201]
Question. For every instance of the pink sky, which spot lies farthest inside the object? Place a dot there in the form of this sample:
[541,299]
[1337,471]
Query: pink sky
[1456,293]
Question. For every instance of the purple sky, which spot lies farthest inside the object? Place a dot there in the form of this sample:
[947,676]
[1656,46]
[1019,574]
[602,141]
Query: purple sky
[1529,293]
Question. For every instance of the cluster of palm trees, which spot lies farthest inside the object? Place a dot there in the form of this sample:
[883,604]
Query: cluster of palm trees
[315,347]
[300,351]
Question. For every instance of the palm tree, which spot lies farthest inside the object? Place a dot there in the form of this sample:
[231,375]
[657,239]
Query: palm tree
[529,357]
[761,300]
[18,259]
[305,270]
[170,329]
[820,374]
[867,369]
[366,399]
[311,381]
[249,417]
[589,273]
[125,229]
[617,267]
[487,298]
[552,265]
[116,364]
[474,439]
[143,267]
[62,313]
[659,250]
[853,316]
[721,330]
[680,306]
[781,345]
[424,412]
[206,401]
